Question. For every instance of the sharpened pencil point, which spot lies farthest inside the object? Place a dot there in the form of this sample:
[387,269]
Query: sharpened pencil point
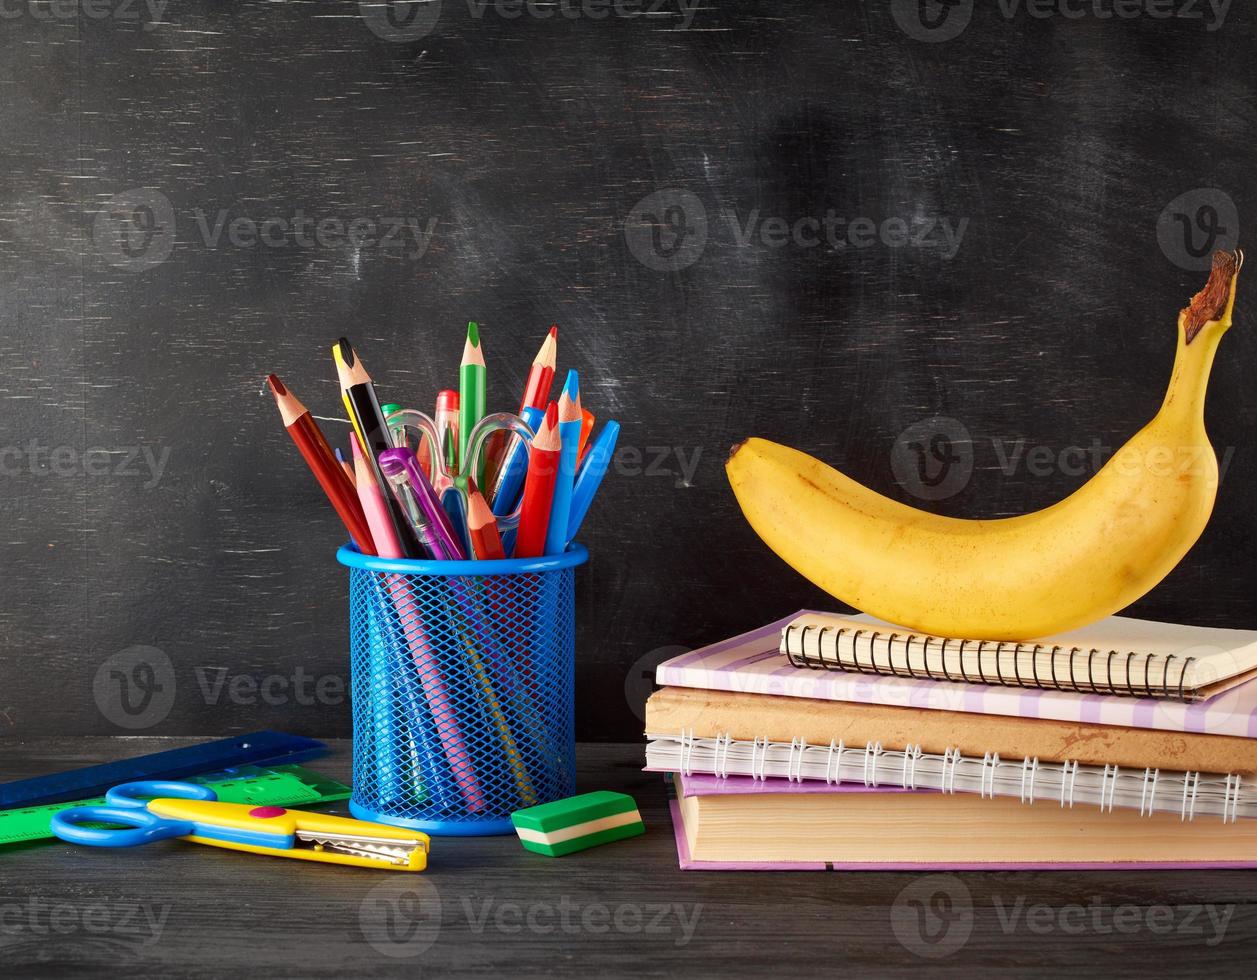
[473,333]
[346,351]
[554,331]
[277,386]
[571,387]
[478,512]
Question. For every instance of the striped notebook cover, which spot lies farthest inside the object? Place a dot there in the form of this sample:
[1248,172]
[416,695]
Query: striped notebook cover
[751,663]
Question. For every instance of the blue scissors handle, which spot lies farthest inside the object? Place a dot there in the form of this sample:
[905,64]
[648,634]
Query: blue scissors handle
[138,826]
[127,805]
[138,794]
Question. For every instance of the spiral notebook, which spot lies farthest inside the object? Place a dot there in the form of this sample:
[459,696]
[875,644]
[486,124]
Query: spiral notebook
[751,663]
[1188,796]
[1114,656]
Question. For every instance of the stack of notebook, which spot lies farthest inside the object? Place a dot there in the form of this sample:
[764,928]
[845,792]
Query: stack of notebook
[822,741]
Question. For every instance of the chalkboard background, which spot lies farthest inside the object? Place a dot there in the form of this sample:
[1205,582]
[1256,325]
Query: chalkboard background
[1020,199]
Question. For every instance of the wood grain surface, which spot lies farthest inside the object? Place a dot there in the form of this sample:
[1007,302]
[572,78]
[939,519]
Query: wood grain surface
[487,907]
[655,183]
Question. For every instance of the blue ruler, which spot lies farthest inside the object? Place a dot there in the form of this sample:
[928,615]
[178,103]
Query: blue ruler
[253,749]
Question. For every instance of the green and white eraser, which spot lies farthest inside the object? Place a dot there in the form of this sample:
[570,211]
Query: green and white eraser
[578,822]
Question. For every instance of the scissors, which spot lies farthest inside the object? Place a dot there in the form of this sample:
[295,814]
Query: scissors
[449,482]
[152,810]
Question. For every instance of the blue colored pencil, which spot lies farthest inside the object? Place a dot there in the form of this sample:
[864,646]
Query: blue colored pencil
[570,420]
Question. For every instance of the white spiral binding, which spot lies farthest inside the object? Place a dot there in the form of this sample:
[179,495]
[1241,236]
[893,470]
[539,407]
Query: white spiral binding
[871,753]
[1029,768]
[951,757]
[1108,787]
[834,760]
[910,756]
[1232,797]
[758,771]
[1069,775]
[1191,786]
[723,741]
[912,768]
[1149,792]
[986,789]
[794,768]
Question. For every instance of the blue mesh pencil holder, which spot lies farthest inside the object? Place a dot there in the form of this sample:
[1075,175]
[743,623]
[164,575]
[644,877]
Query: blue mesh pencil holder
[463,681]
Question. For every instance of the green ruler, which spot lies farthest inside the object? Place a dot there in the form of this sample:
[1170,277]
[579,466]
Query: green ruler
[262,786]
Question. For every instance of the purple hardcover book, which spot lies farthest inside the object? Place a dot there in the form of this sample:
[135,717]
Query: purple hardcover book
[705,785]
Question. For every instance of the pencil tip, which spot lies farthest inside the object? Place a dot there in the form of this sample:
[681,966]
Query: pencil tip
[340,457]
[478,512]
[473,333]
[277,386]
[346,351]
[552,414]
[554,331]
[571,387]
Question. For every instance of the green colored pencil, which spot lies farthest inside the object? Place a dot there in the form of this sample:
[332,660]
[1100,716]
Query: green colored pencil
[471,396]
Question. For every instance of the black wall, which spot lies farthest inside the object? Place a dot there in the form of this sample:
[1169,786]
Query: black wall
[1056,149]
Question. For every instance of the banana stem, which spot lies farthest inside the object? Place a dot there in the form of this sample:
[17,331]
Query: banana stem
[1201,326]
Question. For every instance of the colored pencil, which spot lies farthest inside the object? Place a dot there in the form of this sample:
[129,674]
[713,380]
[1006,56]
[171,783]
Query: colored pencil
[486,542]
[373,505]
[345,464]
[541,374]
[543,470]
[590,474]
[502,449]
[363,406]
[322,462]
[471,397]
[569,437]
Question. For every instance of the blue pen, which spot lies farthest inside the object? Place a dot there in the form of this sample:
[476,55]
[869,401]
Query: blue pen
[570,417]
[511,480]
[454,503]
[590,476]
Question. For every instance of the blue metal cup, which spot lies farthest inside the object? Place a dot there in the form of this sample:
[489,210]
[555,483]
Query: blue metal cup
[463,679]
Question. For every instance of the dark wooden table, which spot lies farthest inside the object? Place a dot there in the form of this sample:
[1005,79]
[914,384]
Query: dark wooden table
[486,907]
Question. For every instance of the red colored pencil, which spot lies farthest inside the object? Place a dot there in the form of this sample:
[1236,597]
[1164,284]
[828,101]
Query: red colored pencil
[536,393]
[541,374]
[486,542]
[543,471]
[323,464]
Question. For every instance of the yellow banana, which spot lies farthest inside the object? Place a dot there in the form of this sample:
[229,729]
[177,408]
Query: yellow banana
[1015,578]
